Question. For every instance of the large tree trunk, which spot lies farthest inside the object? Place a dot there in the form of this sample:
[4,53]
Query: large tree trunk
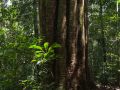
[65,22]
[60,37]
[76,46]
[47,16]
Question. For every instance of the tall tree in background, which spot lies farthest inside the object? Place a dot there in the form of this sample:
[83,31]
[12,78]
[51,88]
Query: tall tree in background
[65,22]
[103,42]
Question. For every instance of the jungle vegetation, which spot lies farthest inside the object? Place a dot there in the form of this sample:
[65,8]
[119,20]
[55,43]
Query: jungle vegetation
[59,44]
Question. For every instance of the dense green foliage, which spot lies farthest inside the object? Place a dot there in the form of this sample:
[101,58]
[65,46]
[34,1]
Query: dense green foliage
[25,61]
[104,41]
[15,39]
[20,66]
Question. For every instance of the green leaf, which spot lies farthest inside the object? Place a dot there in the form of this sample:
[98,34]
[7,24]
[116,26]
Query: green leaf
[46,55]
[37,52]
[50,50]
[39,55]
[118,1]
[2,31]
[36,47]
[34,61]
[46,44]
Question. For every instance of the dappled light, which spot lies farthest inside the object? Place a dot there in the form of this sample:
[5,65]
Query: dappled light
[59,44]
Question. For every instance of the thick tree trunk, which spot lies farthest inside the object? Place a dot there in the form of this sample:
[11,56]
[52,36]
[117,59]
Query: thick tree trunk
[76,47]
[65,22]
[60,37]
[47,15]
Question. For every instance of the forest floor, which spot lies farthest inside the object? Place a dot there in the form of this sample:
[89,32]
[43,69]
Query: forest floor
[108,88]
[103,88]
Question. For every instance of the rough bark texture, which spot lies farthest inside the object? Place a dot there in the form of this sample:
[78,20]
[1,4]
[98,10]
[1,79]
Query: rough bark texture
[65,22]
[47,13]
[60,37]
[78,77]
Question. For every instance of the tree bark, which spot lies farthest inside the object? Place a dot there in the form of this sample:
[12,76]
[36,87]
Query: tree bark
[65,22]
[47,10]
[60,38]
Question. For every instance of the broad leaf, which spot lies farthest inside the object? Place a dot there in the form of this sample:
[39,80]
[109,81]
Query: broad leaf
[46,44]
[36,47]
